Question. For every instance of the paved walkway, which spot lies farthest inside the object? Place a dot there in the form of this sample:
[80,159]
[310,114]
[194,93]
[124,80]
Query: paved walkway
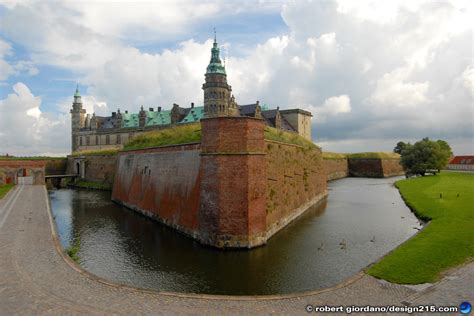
[36,279]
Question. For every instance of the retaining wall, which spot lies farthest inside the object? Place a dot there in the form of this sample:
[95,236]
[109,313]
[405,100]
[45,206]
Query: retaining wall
[163,183]
[374,167]
[336,168]
[10,170]
[296,180]
[97,168]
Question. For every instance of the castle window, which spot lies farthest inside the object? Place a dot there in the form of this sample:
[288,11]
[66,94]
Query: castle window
[107,139]
[80,141]
[97,140]
[88,140]
[119,138]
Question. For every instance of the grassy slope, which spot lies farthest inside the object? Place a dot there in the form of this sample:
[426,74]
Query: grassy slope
[446,242]
[98,152]
[377,155]
[4,189]
[181,134]
[279,135]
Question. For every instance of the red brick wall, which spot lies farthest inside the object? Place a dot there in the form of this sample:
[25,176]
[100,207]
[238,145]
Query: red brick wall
[296,176]
[9,170]
[233,188]
[336,168]
[163,183]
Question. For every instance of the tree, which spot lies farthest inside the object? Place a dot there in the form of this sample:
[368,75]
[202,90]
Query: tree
[425,155]
[400,147]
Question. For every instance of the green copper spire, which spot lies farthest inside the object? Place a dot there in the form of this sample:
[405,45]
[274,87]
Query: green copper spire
[215,65]
[77,94]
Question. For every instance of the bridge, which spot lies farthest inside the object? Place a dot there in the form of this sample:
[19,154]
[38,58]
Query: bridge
[55,179]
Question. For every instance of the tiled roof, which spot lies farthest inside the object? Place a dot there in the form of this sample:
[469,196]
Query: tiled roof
[158,118]
[462,160]
[194,115]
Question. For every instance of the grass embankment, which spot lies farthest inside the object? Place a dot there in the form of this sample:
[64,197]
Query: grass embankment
[191,133]
[99,152]
[4,188]
[367,155]
[287,137]
[181,134]
[374,155]
[448,240]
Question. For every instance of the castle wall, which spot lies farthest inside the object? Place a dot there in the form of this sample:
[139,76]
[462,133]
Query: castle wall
[336,168]
[296,180]
[97,168]
[10,170]
[55,167]
[162,183]
[374,167]
[392,167]
[233,188]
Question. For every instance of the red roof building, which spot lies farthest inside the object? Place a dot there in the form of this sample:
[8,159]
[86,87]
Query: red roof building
[461,163]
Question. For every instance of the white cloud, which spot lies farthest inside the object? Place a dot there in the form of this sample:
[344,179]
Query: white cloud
[25,130]
[393,91]
[406,65]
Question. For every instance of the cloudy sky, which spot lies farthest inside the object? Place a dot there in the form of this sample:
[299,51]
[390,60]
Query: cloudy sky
[371,72]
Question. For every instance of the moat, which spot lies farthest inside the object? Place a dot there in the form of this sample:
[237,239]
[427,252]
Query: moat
[367,216]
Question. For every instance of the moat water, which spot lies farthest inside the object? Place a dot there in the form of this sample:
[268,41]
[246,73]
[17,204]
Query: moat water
[367,215]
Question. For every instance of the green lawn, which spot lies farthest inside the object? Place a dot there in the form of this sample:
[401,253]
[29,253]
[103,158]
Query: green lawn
[447,241]
[4,188]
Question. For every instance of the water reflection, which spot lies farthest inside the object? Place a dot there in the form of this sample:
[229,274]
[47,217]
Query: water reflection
[122,246]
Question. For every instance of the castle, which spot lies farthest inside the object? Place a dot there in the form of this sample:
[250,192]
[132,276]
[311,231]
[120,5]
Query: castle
[91,132]
[233,188]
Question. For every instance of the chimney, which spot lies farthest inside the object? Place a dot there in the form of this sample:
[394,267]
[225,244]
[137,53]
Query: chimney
[159,109]
[150,109]
[192,105]
[258,102]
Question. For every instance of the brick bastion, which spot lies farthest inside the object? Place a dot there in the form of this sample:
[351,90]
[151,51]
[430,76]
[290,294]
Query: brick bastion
[362,167]
[233,190]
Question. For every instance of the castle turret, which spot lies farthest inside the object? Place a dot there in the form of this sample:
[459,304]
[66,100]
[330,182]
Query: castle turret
[78,118]
[217,93]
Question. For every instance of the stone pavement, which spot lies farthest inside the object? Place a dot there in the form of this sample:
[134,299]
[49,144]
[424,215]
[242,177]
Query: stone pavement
[36,277]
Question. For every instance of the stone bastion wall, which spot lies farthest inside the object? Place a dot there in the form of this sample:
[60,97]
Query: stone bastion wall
[362,167]
[232,190]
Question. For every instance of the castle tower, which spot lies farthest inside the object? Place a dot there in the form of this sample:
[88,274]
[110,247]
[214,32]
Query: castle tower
[78,118]
[218,100]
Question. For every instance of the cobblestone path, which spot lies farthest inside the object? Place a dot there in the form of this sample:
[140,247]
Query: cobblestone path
[35,278]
